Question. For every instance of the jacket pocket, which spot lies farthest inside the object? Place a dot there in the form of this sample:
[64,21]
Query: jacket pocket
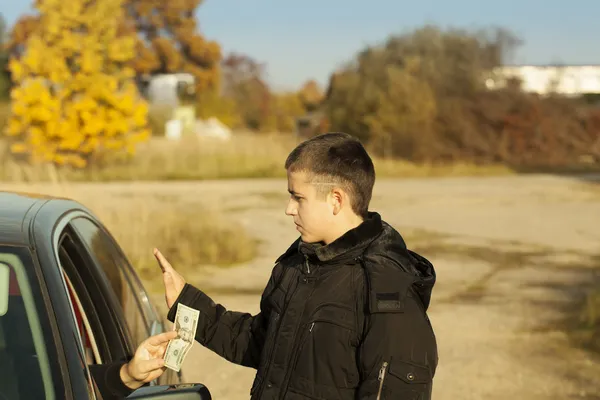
[326,355]
[404,380]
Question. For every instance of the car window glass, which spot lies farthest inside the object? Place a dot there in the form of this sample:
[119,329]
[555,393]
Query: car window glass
[104,253]
[88,337]
[24,364]
[104,316]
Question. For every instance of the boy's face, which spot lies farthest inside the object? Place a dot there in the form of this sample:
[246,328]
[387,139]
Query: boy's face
[312,213]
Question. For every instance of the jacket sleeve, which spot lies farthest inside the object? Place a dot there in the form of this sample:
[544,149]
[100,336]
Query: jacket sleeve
[236,336]
[107,379]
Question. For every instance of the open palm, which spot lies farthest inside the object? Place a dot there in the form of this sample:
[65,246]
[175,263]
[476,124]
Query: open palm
[173,282]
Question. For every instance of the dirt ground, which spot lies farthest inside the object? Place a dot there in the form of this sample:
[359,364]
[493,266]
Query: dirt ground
[500,344]
[513,256]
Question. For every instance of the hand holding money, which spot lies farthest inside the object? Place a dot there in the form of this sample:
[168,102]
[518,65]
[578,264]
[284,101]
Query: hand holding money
[147,362]
[186,323]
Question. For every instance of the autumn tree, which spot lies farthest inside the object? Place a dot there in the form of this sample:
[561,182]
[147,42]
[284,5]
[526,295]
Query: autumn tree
[243,82]
[311,95]
[408,96]
[384,104]
[4,76]
[422,96]
[167,40]
[74,96]
[285,108]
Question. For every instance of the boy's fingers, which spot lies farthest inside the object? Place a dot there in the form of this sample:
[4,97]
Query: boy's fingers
[162,261]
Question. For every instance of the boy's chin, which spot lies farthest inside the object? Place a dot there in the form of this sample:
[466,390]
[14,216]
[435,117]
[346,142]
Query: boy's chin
[309,239]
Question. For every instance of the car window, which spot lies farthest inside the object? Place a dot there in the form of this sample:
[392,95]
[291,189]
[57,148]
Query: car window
[105,318]
[87,334]
[133,299]
[25,366]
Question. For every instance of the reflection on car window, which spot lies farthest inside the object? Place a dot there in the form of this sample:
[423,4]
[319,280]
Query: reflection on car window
[105,254]
[24,367]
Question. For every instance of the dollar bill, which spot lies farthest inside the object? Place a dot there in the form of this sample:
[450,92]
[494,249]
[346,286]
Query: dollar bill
[186,323]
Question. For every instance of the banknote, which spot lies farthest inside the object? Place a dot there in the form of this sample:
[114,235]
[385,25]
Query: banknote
[186,323]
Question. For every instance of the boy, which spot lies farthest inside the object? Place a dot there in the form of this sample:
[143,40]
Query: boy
[343,315]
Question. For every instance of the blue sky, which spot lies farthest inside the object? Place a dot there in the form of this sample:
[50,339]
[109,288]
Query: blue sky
[308,39]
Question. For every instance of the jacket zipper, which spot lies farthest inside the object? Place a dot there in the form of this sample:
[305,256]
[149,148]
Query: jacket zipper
[267,367]
[296,348]
[381,378]
[265,363]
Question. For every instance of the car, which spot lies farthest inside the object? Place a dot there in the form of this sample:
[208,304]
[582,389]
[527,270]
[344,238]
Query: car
[69,298]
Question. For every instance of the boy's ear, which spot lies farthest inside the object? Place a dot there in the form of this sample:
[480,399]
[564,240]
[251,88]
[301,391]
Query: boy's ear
[337,200]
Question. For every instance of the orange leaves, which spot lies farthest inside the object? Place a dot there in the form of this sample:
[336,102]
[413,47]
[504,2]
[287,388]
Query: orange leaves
[170,26]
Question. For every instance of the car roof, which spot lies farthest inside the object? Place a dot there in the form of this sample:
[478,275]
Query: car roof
[19,209]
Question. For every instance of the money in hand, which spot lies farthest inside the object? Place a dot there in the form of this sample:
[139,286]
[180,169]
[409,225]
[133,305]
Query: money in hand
[186,323]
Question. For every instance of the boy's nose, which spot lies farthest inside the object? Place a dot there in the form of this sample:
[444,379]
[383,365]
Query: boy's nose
[290,209]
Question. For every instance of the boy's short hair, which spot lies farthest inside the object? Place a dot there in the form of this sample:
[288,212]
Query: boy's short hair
[336,159]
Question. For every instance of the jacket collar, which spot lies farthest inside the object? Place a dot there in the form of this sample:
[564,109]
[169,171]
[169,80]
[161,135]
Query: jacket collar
[353,241]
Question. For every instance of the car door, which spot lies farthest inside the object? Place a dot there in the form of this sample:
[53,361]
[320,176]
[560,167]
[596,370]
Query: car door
[142,319]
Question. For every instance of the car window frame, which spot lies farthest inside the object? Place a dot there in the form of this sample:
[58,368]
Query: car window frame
[147,308]
[87,325]
[111,250]
[116,344]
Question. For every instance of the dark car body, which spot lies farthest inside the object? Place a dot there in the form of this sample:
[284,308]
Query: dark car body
[75,300]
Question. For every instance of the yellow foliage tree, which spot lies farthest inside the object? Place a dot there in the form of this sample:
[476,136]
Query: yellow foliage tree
[167,40]
[74,95]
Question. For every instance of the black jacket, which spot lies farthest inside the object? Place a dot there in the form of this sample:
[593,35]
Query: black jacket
[342,321]
[107,378]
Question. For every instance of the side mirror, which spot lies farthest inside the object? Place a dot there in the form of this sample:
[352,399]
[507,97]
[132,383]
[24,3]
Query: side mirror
[4,283]
[182,391]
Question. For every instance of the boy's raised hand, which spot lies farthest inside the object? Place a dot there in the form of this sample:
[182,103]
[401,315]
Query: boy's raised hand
[173,282]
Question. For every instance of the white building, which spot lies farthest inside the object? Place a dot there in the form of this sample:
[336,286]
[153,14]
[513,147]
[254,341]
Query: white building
[165,89]
[568,80]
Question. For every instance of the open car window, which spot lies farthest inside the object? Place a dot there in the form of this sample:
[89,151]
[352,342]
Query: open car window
[89,343]
[25,366]
[132,297]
